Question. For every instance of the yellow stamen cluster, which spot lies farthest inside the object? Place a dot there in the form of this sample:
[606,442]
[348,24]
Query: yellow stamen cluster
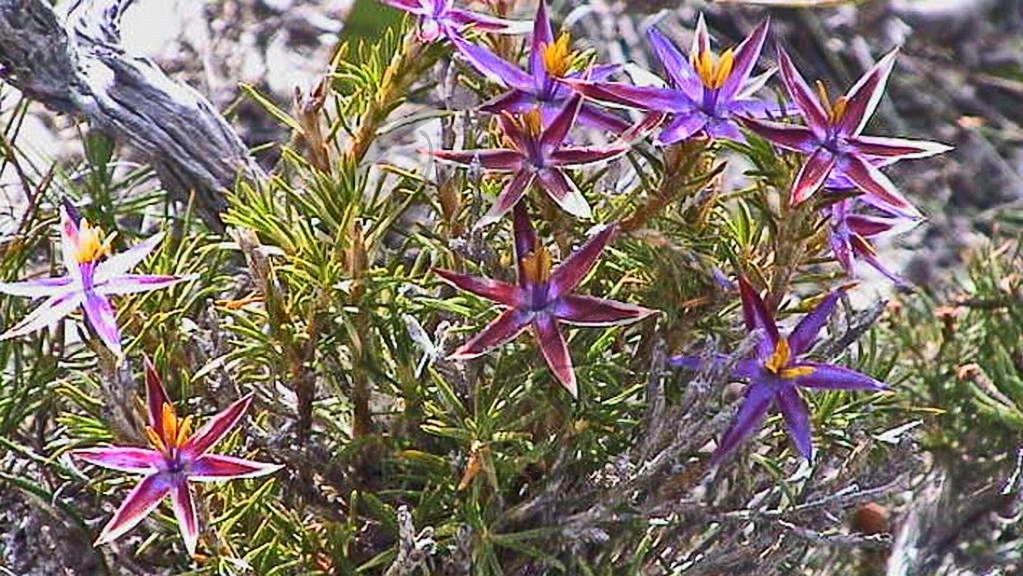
[91,243]
[834,111]
[174,434]
[714,71]
[537,265]
[778,361]
[557,56]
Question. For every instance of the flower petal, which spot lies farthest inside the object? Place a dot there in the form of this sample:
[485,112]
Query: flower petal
[812,175]
[124,459]
[555,352]
[896,148]
[505,327]
[494,68]
[103,319]
[555,133]
[681,127]
[869,226]
[797,419]
[215,428]
[38,288]
[508,198]
[46,314]
[526,241]
[649,98]
[701,39]
[573,269]
[495,159]
[675,64]
[756,317]
[751,414]
[142,500]
[596,117]
[515,101]
[788,136]
[500,292]
[591,311]
[571,156]
[217,467]
[156,397]
[802,94]
[746,56]
[487,23]
[879,188]
[831,377]
[137,283]
[542,36]
[863,250]
[564,191]
[804,335]
[184,513]
[120,263]
[864,96]
[69,220]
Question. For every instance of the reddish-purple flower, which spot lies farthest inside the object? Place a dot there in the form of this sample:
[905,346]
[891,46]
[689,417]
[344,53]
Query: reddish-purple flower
[177,457]
[705,93]
[833,138]
[440,19]
[850,234]
[537,154]
[93,275]
[538,86]
[777,372]
[543,298]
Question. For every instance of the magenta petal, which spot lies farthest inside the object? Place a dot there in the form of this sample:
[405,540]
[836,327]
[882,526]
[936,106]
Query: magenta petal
[542,36]
[804,335]
[864,96]
[515,101]
[497,70]
[508,198]
[675,65]
[681,127]
[495,159]
[487,23]
[571,272]
[38,288]
[565,192]
[505,327]
[788,136]
[556,132]
[132,460]
[215,428]
[142,500]
[879,187]
[184,513]
[590,311]
[69,239]
[594,117]
[802,94]
[754,407]
[120,263]
[701,39]
[103,320]
[797,419]
[136,283]
[216,467]
[746,56]
[156,397]
[756,317]
[868,226]
[555,352]
[499,292]
[895,148]
[572,156]
[641,97]
[812,175]
[46,314]
[831,377]
[525,239]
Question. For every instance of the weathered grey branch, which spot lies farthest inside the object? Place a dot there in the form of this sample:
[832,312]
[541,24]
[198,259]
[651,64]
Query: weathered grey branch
[71,60]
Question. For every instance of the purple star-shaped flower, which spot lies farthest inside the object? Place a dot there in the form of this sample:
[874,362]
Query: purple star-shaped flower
[777,372]
[833,138]
[538,86]
[440,19]
[93,275]
[543,298]
[850,233]
[705,94]
[177,457]
[537,154]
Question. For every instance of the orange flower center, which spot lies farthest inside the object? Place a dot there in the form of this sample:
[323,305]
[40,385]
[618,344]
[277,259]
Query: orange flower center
[92,245]
[537,265]
[714,71]
[777,363]
[835,110]
[175,433]
[557,56]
